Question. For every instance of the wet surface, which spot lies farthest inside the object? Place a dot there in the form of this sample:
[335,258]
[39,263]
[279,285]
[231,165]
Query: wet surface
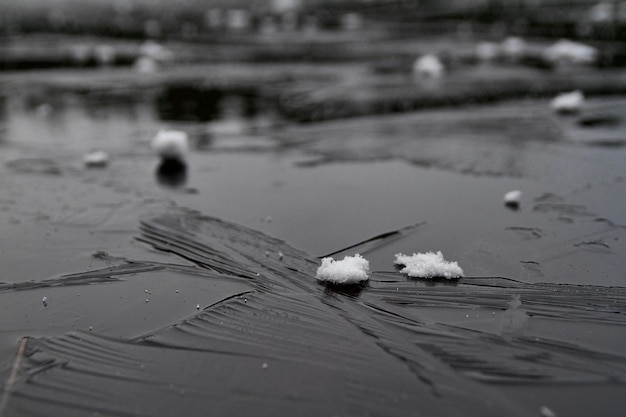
[164,282]
[409,344]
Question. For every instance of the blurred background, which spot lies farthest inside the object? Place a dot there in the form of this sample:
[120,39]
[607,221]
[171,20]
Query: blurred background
[309,21]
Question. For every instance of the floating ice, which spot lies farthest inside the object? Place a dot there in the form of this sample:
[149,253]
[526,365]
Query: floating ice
[171,144]
[428,265]
[512,198]
[568,102]
[349,270]
[428,66]
[96,159]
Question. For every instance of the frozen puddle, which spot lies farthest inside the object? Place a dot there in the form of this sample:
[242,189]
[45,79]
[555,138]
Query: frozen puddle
[282,342]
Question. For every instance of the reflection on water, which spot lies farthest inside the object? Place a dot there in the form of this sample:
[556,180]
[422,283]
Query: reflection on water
[204,104]
[81,121]
[172,173]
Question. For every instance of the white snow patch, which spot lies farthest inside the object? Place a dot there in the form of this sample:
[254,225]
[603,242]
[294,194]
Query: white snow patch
[171,144]
[96,159]
[146,65]
[428,66]
[487,51]
[513,197]
[513,47]
[428,265]
[569,52]
[568,102]
[349,270]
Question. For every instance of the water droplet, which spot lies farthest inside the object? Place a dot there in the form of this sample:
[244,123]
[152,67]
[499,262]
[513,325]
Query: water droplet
[197,306]
[90,328]
[265,365]
[280,255]
[45,301]
[176,291]
[146,291]
[147,300]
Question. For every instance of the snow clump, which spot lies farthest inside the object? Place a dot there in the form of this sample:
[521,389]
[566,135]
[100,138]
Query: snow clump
[96,159]
[568,102]
[512,198]
[349,270]
[428,265]
[428,66]
[171,144]
[566,52]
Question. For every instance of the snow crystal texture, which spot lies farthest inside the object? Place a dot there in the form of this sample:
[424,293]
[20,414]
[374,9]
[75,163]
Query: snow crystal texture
[349,270]
[428,265]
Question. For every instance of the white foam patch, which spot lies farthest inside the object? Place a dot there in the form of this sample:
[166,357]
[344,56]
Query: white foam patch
[349,270]
[428,265]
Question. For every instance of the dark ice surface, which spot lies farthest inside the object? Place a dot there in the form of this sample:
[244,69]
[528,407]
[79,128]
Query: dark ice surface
[276,342]
[166,295]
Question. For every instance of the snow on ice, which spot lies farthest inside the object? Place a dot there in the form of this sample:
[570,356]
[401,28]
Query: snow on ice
[568,102]
[349,270]
[512,198]
[428,265]
[171,144]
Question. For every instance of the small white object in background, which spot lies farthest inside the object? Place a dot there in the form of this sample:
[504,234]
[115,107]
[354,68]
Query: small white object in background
[349,270]
[104,54]
[512,198]
[96,159]
[487,51]
[513,47]
[428,66]
[428,265]
[146,65]
[569,52]
[156,51]
[171,144]
[45,301]
[570,102]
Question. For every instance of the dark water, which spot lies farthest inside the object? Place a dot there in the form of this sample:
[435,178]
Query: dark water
[165,294]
